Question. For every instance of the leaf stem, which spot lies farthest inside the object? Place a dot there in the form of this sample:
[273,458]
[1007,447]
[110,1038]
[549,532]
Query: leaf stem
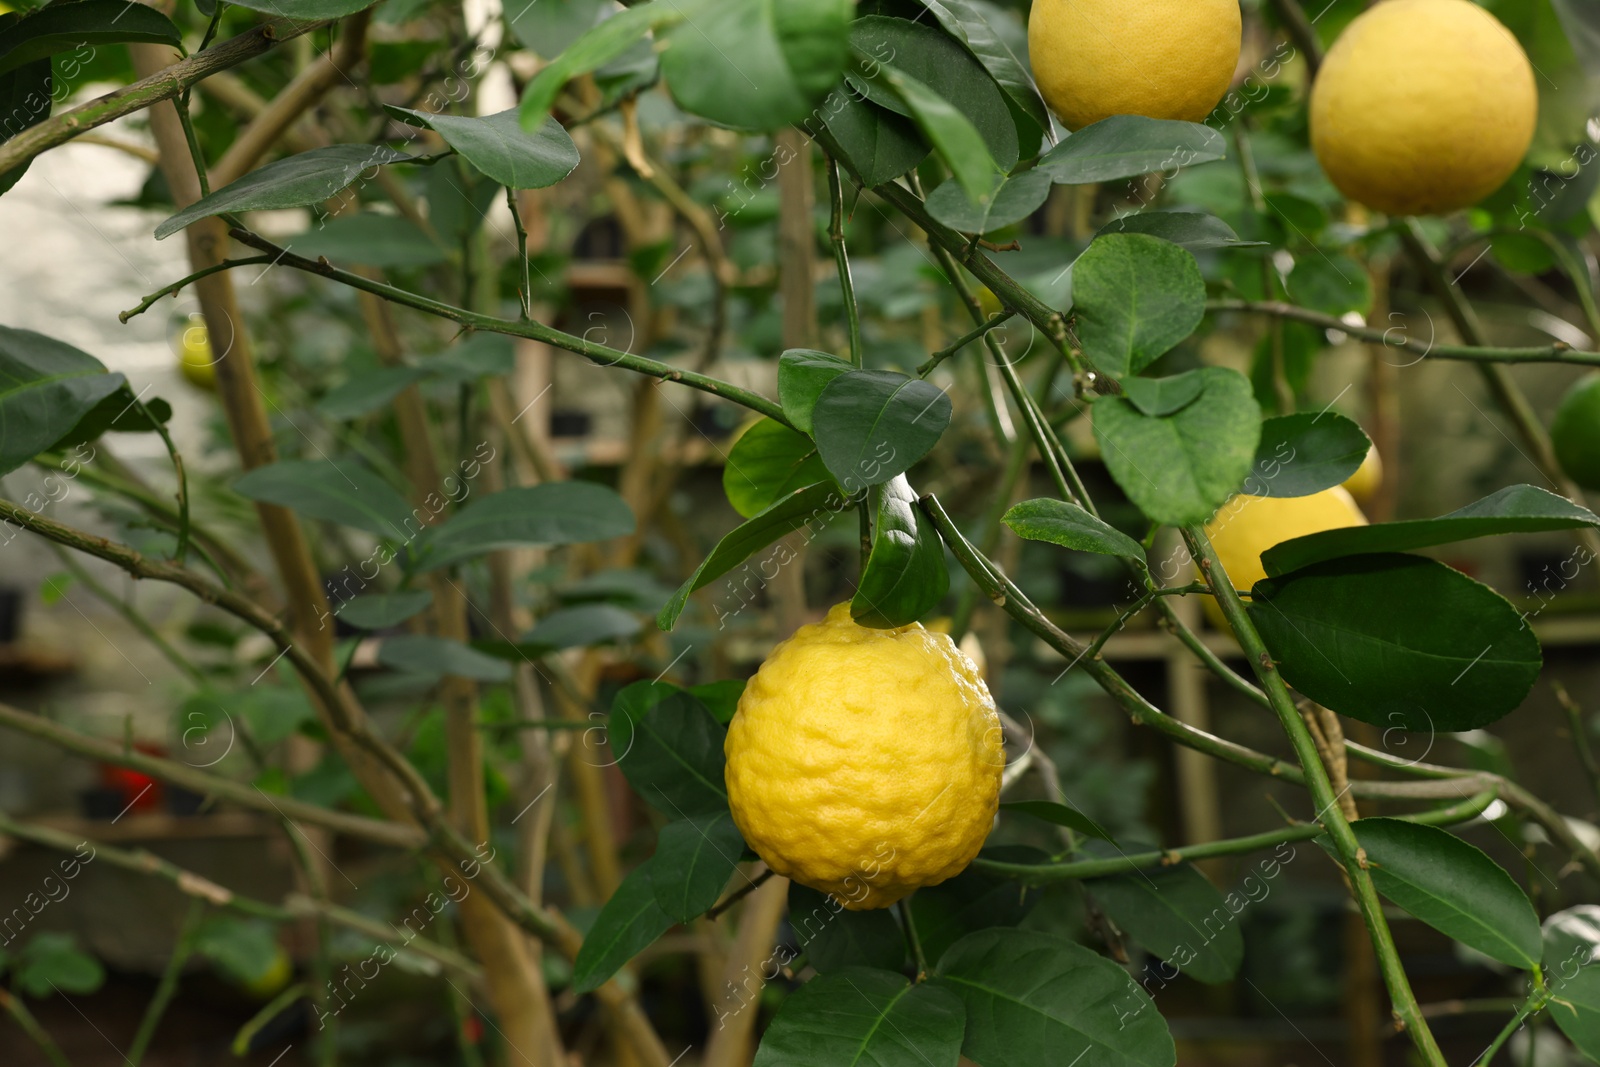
[1535,1003]
[1328,811]
[13,1005]
[913,941]
[739,894]
[166,290]
[852,313]
[995,320]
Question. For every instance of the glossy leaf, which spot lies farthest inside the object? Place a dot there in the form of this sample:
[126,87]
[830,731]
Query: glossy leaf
[802,375]
[64,27]
[871,425]
[967,23]
[1060,815]
[594,49]
[1126,146]
[298,181]
[628,923]
[1178,916]
[1398,641]
[1333,285]
[1453,887]
[1305,453]
[1164,396]
[1180,468]
[905,575]
[1060,523]
[721,697]
[379,611]
[1011,201]
[974,900]
[756,64]
[118,412]
[47,388]
[418,654]
[671,752]
[694,859]
[499,147]
[1036,997]
[834,938]
[554,513]
[1194,230]
[766,464]
[26,96]
[864,1018]
[369,239]
[1572,972]
[581,627]
[875,143]
[1135,297]
[1515,509]
[344,491]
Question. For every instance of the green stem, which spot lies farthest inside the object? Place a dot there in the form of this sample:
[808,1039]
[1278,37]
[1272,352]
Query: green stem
[37,1034]
[1328,811]
[841,257]
[274,1008]
[600,354]
[996,320]
[166,290]
[1047,873]
[967,602]
[1400,342]
[913,941]
[1535,1003]
[1576,272]
[525,291]
[188,935]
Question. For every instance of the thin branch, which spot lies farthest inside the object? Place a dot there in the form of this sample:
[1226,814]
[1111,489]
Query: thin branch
[188,935]
[739,894]
[166,290]
[993,322]
[841,258]
[162,85]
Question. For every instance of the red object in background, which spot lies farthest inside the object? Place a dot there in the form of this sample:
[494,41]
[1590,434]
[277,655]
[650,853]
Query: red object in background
[472,1030]
[139,792]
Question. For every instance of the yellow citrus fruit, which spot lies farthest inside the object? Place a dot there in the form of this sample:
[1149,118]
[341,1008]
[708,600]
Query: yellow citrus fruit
[1576,432]
[1363,485]
[195,361]
[1164,59]
[274,980]
[1249,525]
[1423,107]
[865,763]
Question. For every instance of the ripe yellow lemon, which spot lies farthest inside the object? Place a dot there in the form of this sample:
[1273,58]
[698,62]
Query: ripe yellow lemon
[1423,107]
[865,763]
[1249,525]
[1164,59]
[1576,432]
[1363,485]
[195,360]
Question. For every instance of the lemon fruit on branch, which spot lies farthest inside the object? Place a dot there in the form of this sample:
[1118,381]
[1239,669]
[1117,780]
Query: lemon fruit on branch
[865,763]
[1423,107]
[1163,59]
[1247,526]
[196,362]
[1575,433]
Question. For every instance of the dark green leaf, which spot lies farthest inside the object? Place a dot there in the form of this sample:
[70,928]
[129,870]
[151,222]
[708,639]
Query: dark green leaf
[379,611]
[1453,887]
[721,698]
[1179,469]
[671,752]
[871,425]
[802,375]
[1333,285]
[1164,396]
[346,492]
[368,391]
[905,575]
[1012,200]
[549,26]
[864,1018]
[369,239]
[554,513]
[766,464]
[813,504]
[306,10]
[483,355]
[1572,972]
[877,144]
[1036,997]
[628,923]
[756,64]
[63,27]
[46,389]
[416,654]
[974,900]
[499,147]
[1398,641]
[53,963]
[26,95]
[300,180]
[833,937]
[118,413]
[1304,453]
[694,859]
[1194,230]
[1135,297]
[1304,218]
[1060,815]
[594,49]
[1126,146]
[966,22]
[1069,526]
[243,949]
[1515,509]
[1178,916]
[581,627]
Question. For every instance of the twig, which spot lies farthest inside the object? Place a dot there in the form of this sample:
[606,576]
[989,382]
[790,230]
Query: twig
[188,934]
[14,1007]
[1302,32]
[1535,1003]
[994,321]
[739,894]
[913,942]
[149,301]
[841,257]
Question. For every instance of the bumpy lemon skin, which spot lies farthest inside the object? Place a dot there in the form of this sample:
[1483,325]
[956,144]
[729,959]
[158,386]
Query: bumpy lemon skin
[1247,526]
[865,763]
[1164,59]
[1423,107]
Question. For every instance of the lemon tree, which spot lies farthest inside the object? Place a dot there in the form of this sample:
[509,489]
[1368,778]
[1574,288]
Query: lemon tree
[979,313]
